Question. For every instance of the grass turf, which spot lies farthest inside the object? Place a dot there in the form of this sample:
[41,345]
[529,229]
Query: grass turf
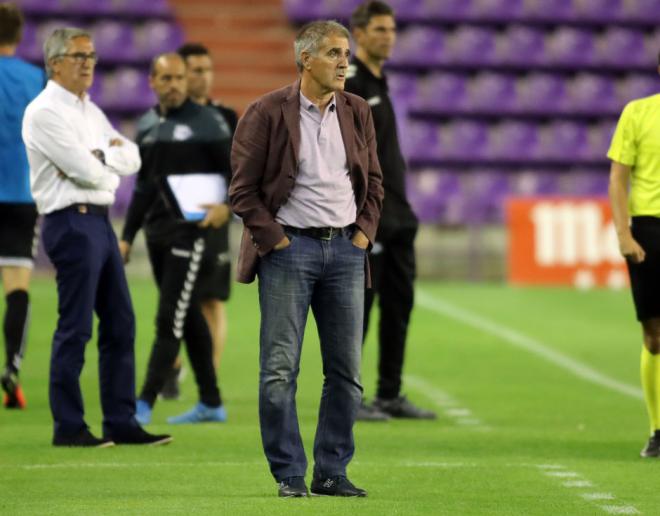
[515,432]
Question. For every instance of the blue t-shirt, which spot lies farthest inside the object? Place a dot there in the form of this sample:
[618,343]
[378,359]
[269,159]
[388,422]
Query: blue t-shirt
[20,82]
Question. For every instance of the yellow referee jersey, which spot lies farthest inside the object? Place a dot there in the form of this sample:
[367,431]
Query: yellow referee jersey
[636,143]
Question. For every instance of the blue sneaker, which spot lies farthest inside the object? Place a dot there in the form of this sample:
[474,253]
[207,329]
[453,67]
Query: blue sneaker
[142,412]
[200,413]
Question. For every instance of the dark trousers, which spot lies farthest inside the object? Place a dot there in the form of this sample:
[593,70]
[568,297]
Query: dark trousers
[392,263]
[90,276]
[175,266]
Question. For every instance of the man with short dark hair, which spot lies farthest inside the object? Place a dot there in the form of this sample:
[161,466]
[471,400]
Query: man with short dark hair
[76,158]
[308,187]
[392,258]
[178,138]
[20,82]
[215,281]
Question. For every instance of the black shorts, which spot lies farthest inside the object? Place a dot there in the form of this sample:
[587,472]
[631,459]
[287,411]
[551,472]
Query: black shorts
[215,272]
[645,276]
[18,234]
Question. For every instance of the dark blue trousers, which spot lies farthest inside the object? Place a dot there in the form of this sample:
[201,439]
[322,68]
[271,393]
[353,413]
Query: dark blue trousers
[90,276]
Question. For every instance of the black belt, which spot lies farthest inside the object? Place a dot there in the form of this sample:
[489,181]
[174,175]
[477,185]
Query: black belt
[318,233]
[88,209]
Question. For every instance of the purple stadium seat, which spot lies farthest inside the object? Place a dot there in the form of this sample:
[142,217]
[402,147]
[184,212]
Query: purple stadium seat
[84,7]
[407,10]
[651,48]
[492,92]
[447,9]
[618,46]
[421,141]
[530,183]
[589,93]
[505,10]
[152,8]
[403,86]
[570,46]
[472,45]
[336,9]
[124,192]
[156,37]
[636,87]
[562,140]
[487,191]
[39,7]
[599,137]
[464,140]
[114,41]
[641,10]
[553,11]
[598,10]
[585,183]
[302,10]
[541,93]
[97,85]
[512,141]
[441,92]
[28,46]
[436,196]
[32,49]
[419,46]
[126,89]
[520,45]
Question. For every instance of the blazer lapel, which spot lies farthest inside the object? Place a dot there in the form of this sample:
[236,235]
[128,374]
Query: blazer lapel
[291,115]
[347,128]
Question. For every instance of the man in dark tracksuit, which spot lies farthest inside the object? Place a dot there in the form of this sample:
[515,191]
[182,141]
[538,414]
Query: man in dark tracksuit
[177,137]
[392,258]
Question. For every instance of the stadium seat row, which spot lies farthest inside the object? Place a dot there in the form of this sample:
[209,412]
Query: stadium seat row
[458,197]
[115,41]
[522,46]
[642,12]
[511,142]
[530,95]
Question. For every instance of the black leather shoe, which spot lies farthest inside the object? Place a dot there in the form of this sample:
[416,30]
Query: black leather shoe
[402,408]
[83,439]
[370,413]
[292,487]
[336,486]
[139,436]
[652,448]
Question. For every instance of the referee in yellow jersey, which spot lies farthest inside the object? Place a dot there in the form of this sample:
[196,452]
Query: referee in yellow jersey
[635,197]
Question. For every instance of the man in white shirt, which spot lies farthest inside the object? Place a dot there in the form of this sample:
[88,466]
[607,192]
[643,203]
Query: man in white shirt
[76,158]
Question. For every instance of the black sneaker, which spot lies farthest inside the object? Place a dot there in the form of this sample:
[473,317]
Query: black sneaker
[336,486]
[292,487]
[139,436]
[368,412]
[13,397]
[170,390]
[401,407]
[652,448]
[83,439]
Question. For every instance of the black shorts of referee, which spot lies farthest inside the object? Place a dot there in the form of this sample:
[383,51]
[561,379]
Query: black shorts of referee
[645,276]
[18,234]
[214,278]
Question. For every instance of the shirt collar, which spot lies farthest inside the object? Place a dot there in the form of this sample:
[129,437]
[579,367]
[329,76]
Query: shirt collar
[64,95]
[307,104]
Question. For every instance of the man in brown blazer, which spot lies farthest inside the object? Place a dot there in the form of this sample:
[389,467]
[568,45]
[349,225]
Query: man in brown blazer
[307,184]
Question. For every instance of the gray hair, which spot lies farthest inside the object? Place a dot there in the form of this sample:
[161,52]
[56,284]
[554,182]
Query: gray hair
[311,35]
[57,43]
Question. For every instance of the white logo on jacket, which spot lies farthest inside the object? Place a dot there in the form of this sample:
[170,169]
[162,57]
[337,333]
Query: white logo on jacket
[181,132]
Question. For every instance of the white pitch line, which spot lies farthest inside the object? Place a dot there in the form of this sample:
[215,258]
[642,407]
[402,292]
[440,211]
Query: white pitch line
[526,343]
[597,496]
[578,483]
[450,406]
[561,474]
[619,509]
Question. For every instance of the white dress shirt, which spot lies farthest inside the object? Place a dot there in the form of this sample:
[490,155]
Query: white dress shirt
[60,130]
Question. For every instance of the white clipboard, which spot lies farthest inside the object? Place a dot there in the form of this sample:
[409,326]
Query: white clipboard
[191,191]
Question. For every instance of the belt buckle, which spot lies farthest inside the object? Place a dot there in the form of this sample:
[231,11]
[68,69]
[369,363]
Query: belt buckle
[326,233]
[82,208]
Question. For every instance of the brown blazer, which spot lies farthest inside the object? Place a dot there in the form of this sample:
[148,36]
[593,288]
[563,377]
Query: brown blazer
[264,159]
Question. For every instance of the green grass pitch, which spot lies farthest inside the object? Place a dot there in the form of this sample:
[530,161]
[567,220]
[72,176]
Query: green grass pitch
[524,427]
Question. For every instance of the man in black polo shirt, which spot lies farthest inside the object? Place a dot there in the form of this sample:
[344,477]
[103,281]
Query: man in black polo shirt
[176,138]
[392,258]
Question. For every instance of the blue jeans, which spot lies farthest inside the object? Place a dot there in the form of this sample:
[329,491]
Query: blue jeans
[327,275]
